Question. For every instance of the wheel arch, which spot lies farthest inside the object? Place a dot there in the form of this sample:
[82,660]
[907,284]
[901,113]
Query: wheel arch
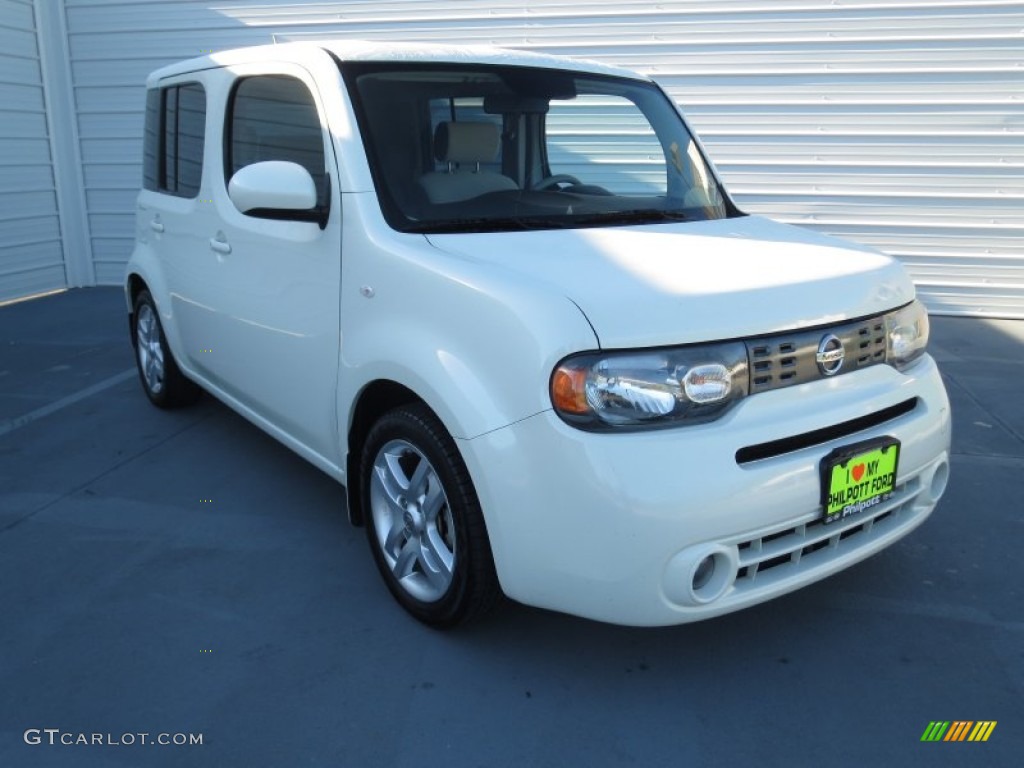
[374,400]
[134,285]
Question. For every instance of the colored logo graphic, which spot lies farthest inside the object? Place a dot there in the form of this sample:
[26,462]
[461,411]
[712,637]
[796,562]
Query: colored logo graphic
[958,730]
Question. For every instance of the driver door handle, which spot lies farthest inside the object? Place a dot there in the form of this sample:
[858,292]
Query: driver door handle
[220,245]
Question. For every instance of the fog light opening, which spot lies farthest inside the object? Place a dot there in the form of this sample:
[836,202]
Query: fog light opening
[700,574]
[705,570]
[711,576]
[940,478]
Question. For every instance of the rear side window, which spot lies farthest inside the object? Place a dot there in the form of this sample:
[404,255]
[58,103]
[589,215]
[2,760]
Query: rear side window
[274,117]
[174,139]
[151,157]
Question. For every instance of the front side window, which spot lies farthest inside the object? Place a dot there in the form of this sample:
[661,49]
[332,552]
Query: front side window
[173,141]
[274,117]
[491,148]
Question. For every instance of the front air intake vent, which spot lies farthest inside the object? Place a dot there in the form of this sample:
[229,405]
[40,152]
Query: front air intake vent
[818,436]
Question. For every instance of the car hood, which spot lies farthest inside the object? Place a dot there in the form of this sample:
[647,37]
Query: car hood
[664,284]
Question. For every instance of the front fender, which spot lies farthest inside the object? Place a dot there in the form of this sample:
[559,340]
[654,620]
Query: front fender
[474,384]
[476,341]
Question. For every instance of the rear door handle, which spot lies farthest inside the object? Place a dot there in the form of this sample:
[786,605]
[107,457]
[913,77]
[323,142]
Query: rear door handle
[156,226]
[220,246]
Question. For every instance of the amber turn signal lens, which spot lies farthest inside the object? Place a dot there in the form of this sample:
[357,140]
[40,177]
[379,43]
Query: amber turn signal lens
[568,390]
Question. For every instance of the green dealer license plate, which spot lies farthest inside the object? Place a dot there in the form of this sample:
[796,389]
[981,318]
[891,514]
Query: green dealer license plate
[857,477]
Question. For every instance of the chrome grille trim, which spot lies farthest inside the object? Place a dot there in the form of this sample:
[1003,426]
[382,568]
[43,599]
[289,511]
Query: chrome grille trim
[785,359]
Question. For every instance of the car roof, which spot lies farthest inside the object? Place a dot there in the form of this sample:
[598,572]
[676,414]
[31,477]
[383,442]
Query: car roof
[365,50]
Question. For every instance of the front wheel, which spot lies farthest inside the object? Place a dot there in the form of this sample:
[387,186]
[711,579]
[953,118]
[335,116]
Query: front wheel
[423,520]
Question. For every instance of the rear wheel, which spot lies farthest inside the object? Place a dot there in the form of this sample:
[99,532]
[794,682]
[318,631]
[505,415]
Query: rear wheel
[423,520]
[165,385]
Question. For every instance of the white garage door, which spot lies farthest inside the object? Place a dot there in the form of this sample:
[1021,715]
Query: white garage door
[899,123]
[31,253]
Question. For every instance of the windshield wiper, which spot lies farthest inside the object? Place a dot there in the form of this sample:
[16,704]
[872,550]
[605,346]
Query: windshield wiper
[640,216]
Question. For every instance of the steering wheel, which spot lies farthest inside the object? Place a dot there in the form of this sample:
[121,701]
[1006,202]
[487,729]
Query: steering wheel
[558,178]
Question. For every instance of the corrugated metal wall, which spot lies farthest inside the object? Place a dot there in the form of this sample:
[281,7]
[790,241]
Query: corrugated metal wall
[31,257]
[898,123]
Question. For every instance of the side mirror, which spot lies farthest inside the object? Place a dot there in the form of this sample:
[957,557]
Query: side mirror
[274,189]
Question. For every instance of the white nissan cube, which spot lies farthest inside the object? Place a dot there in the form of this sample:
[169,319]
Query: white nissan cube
[506,301]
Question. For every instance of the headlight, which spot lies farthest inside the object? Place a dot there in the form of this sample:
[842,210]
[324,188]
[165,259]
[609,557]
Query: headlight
[658,388]
[906,335]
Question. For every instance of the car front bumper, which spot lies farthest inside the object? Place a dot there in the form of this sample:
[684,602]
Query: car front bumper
[613,526]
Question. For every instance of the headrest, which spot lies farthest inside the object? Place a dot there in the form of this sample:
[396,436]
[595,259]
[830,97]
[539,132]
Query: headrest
[466,142]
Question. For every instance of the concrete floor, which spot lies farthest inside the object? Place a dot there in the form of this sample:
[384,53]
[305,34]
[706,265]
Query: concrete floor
[257,619]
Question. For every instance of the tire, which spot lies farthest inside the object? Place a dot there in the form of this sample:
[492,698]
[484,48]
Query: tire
[423,520]
[163,382]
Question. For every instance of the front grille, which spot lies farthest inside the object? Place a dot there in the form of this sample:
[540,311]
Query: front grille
[785,359]
[782,553]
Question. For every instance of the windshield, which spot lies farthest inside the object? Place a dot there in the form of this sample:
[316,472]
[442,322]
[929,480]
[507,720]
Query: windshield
[477,148]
